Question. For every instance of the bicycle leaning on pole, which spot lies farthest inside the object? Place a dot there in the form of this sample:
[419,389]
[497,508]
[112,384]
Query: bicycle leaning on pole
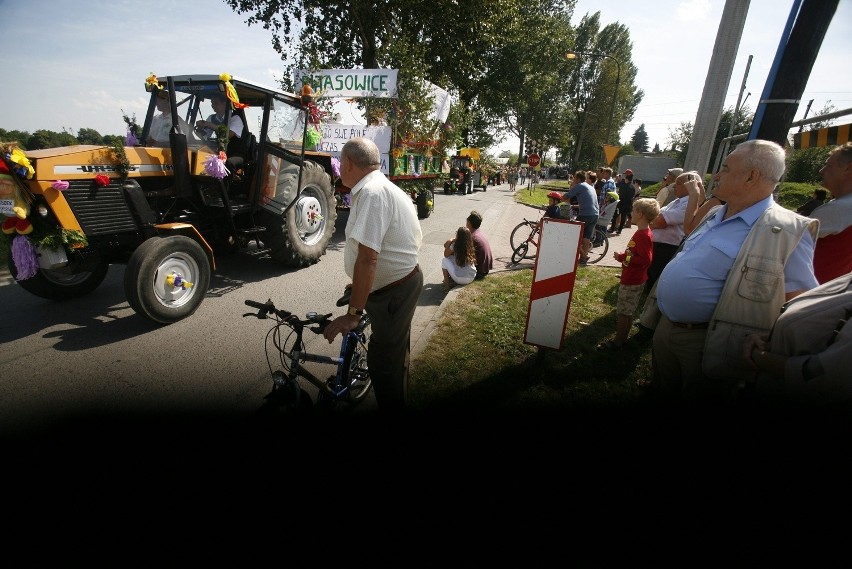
[349,385]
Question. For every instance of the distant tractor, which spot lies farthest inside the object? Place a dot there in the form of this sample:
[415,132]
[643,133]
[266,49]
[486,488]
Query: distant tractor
[465,175]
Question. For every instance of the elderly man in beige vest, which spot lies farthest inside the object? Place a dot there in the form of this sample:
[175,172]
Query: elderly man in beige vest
[730,278]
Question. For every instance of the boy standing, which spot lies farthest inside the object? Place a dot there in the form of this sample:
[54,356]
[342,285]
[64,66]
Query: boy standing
[635,261]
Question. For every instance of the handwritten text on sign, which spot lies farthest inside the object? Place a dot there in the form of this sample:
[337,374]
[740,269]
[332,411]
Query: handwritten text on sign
[351,82]
[334,136]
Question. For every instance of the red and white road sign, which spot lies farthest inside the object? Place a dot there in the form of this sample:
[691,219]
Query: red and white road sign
[553,282]
[533,160]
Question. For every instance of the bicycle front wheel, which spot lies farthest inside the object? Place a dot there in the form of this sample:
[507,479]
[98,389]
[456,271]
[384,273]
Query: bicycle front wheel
[600,245]
[520,233]
[520,252]
[357,373]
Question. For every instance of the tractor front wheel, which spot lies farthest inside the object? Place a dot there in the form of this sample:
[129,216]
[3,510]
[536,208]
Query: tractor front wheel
[167,278]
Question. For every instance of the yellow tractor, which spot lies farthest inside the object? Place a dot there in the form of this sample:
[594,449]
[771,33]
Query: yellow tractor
[166,207]
[465,174]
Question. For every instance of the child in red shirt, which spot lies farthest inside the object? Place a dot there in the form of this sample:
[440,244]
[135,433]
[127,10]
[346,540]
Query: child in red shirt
[635,261]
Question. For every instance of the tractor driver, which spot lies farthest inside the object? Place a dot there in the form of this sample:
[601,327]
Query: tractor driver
[207,128]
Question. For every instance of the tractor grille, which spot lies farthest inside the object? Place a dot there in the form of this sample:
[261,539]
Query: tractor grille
[100,210]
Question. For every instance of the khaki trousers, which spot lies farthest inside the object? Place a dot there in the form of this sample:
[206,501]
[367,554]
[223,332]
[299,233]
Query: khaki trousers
[676,358]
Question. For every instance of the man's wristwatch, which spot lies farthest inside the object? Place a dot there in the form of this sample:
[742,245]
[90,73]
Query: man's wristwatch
[355,311]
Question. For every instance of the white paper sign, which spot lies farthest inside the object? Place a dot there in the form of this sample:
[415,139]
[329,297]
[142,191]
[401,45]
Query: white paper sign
[351,82]
[334,136]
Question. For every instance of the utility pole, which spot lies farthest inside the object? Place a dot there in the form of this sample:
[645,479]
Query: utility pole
[807,110]
[739,98]
[716,85]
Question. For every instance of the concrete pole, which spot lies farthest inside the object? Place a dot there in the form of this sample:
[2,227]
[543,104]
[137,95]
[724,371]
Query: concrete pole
[716,85]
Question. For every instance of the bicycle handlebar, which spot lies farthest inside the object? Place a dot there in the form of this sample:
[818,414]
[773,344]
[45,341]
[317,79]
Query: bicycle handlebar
[268,307]
[263,308]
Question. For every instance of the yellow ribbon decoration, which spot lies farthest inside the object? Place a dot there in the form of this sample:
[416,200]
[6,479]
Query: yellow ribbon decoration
[231,92]
[152,81]
[17,156]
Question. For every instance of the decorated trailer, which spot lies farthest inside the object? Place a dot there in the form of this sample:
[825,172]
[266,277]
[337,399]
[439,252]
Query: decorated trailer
[411,142]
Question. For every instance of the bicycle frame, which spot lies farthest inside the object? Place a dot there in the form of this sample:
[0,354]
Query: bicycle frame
[521,250]
[349,384]
[297,355]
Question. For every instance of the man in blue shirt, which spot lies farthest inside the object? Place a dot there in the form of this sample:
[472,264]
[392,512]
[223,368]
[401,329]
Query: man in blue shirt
[690,288]
[588,212]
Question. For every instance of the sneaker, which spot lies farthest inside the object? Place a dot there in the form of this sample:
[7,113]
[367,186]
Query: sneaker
[584,260]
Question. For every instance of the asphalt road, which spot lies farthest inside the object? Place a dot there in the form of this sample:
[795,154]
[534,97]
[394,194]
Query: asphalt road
[94,357]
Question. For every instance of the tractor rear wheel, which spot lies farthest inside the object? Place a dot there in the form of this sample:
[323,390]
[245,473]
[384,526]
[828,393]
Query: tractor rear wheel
[299,237]
[59,285]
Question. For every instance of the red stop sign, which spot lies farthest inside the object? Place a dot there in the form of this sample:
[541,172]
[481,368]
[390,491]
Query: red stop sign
[533,160]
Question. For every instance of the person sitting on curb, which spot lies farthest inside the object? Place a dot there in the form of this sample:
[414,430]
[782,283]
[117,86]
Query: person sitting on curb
[484,258]
[459,262]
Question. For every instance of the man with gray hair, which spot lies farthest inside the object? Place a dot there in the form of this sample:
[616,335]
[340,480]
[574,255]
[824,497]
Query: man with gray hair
[667,229]
[383,238]
[730,278]
[667,187]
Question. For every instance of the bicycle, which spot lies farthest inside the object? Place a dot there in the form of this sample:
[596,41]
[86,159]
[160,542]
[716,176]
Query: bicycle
[521,251]
[348,386]
[600,245]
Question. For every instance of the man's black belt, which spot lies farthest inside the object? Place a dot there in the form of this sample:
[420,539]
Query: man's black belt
[385,288]
[691,325]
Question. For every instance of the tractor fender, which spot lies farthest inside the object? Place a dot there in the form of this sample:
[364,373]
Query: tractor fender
[187,230]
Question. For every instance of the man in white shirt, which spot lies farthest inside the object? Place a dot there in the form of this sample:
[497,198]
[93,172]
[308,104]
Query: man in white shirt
[383,239]
[161,125]
[667,229]
[667,191]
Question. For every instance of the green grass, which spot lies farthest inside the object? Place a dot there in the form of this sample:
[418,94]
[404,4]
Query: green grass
[477,358]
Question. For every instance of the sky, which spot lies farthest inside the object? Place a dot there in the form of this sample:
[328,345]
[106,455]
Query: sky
[72,65]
